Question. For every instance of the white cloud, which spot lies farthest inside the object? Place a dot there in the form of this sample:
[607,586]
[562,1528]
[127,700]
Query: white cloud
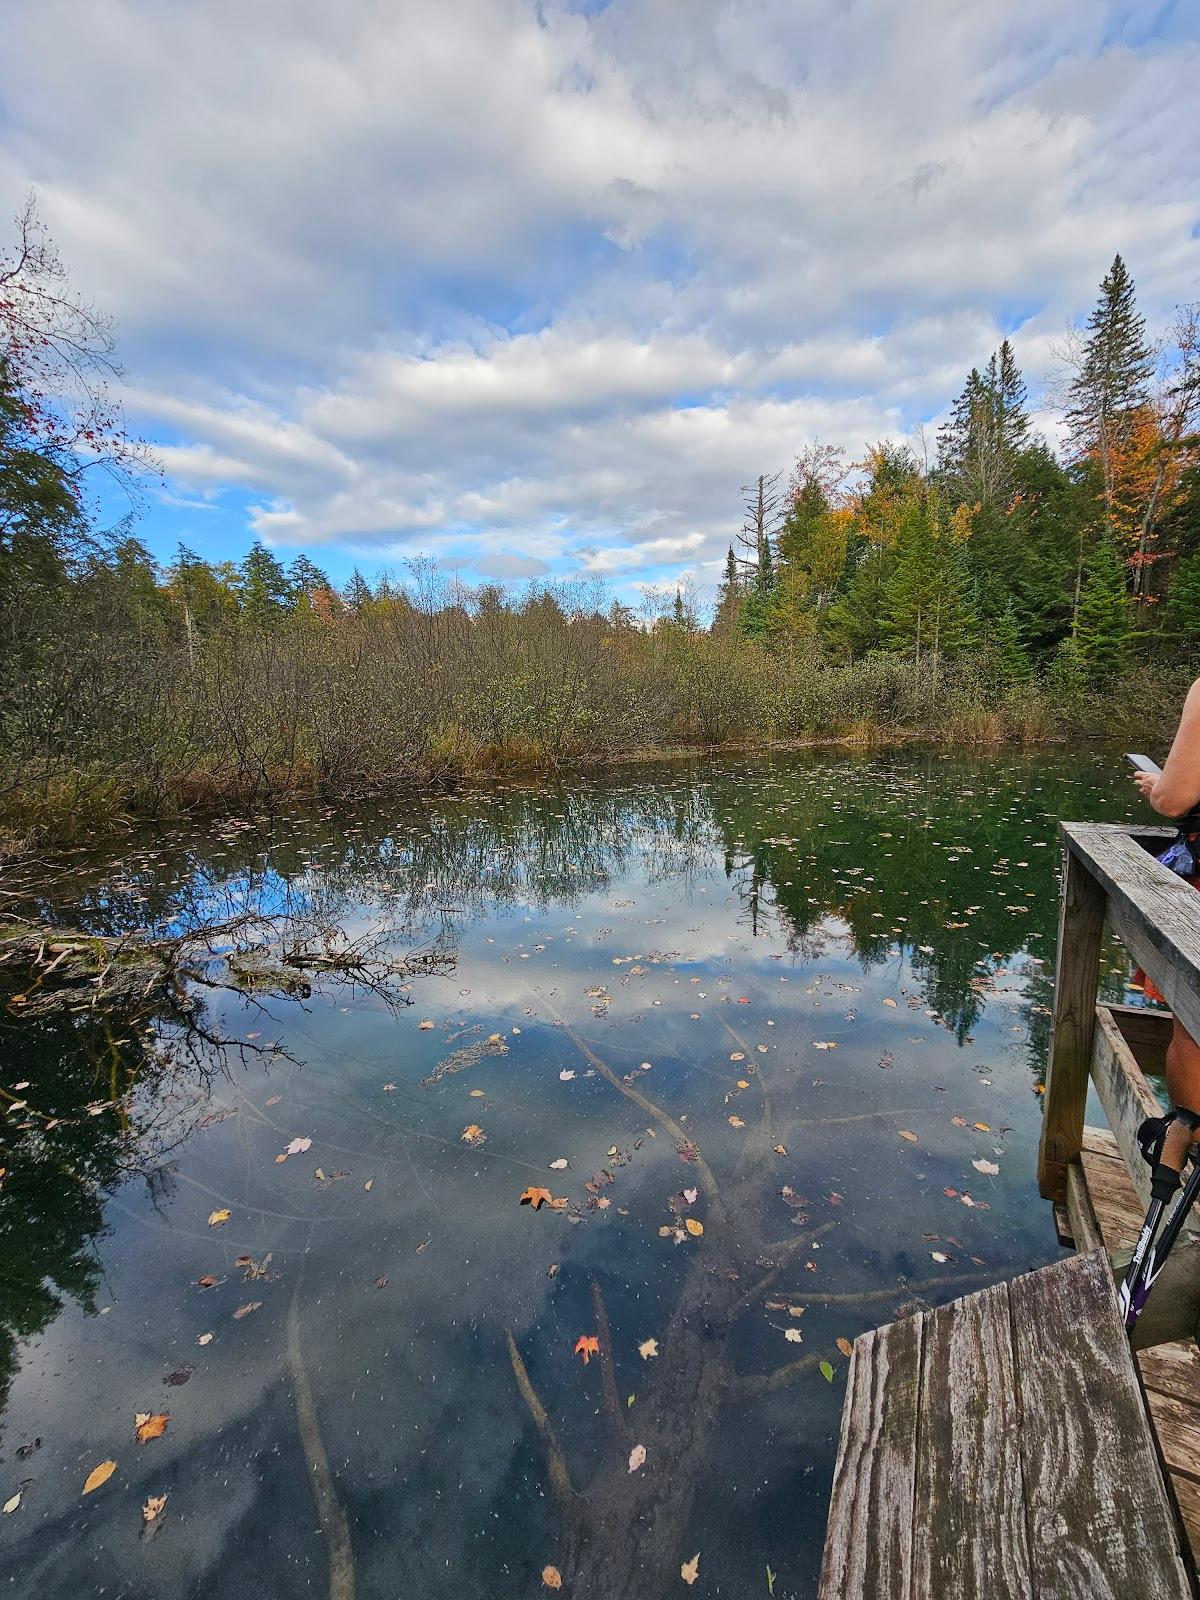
[518,285]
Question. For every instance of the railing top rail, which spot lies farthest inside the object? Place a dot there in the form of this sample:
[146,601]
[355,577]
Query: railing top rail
[1155,912]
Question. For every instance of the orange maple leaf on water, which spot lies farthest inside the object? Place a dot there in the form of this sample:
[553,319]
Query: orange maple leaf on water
[587,1345]
[537,1198]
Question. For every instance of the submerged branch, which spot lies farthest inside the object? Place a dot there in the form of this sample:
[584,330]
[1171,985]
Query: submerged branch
[556,1462]
[755,1384]
[608,1376]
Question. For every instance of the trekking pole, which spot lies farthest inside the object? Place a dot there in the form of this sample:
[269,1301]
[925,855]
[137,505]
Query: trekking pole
[1151,1251]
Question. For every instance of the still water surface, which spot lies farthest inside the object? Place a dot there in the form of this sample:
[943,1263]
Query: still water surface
[783,1019]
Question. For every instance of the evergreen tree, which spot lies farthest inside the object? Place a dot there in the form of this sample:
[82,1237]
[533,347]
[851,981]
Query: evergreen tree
[1110,386]
[265,591]
[1183,601]
[1102,624]
[1006,647]
[357,592]
[729,597]
[927,608]
[306,578]
[978,447]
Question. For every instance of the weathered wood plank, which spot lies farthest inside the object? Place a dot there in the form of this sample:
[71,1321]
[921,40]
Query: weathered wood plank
[1178,1428]
[1147,1033]
[1125,1095]
[970,1457]
[1174,1369]
[1085,1229]
[1100,1523]
[1080,929]
[1187,1498]
[1155,912]
[868,1542]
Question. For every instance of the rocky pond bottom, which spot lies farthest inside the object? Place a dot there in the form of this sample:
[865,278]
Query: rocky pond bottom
[485,1206]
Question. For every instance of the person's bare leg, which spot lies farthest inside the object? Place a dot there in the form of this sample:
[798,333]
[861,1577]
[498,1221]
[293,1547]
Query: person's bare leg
[1183,1087]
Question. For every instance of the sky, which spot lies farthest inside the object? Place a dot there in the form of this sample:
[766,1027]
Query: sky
[533,289]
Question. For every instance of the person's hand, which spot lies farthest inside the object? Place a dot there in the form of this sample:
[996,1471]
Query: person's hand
[1145,782]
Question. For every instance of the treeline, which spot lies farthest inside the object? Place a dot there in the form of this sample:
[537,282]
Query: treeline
[1078,565]
[995,591]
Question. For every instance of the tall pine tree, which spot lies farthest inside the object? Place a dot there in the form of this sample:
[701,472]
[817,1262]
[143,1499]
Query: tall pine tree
[1103,631]
[1111,384]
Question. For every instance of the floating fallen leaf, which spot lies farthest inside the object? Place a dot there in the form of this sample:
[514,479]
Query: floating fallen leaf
[559,1165]
[743,1083]
[11,1505]
[244,1311]
[824,1044]
[736,1122]
[99,1475]
[690,1570]
[938,1256]
[826,1371]
[298,1147]
[204,1338]
[911,1137]
[381,1282]
[537,1198]
[153,1508]
[426,1025]
[207,1281]
[586,1346]
[216,1218]
[793,1335]
[959,1122]
[637,1457]
[648,1348]
[780,1149]
[737,1056]
[888,1001]
[845,1347]
[274,1100]
[988,1168]
[369,1185]
[566,1075]
[473,1134]
[552,1577]
[176,1379]
[147,1427]
[981,1127]
[690,1195]
[478,1094]
[694,1228]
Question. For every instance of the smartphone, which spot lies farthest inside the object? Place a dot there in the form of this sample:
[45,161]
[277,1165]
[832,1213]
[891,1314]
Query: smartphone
[1144,764]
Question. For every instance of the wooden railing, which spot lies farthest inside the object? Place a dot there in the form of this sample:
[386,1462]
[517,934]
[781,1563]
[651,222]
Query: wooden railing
[1111,877]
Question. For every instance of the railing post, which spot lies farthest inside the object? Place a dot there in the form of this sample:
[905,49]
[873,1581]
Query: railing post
[1077,979]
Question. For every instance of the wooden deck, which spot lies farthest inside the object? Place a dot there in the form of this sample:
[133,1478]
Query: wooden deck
[998,1448]
[1170,1372]
[1018,1443]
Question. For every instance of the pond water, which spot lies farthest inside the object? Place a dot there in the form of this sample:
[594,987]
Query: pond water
[784,1020]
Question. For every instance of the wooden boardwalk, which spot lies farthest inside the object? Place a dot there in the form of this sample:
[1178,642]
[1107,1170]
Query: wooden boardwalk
[1012,1445]
[998,1448]
[1170,1372]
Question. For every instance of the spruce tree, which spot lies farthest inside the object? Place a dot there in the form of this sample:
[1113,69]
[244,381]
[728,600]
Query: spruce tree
[1111,384]
[1006,647]
[264,589]
[1102,622]
[306,578]
[729,597]
[927,608]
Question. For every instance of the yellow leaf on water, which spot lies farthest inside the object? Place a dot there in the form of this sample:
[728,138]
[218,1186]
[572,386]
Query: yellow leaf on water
[648,1348]
[736,1122]
[216,1218]
[152,1510]
[888,1001]
[743,1083]
[99,1475]
[147,1427]
[472,1134]
[981,1127]
[11,1505]
[552,1577]
[694,1228]
[911,1137]
[845,1347]
[690,1570]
